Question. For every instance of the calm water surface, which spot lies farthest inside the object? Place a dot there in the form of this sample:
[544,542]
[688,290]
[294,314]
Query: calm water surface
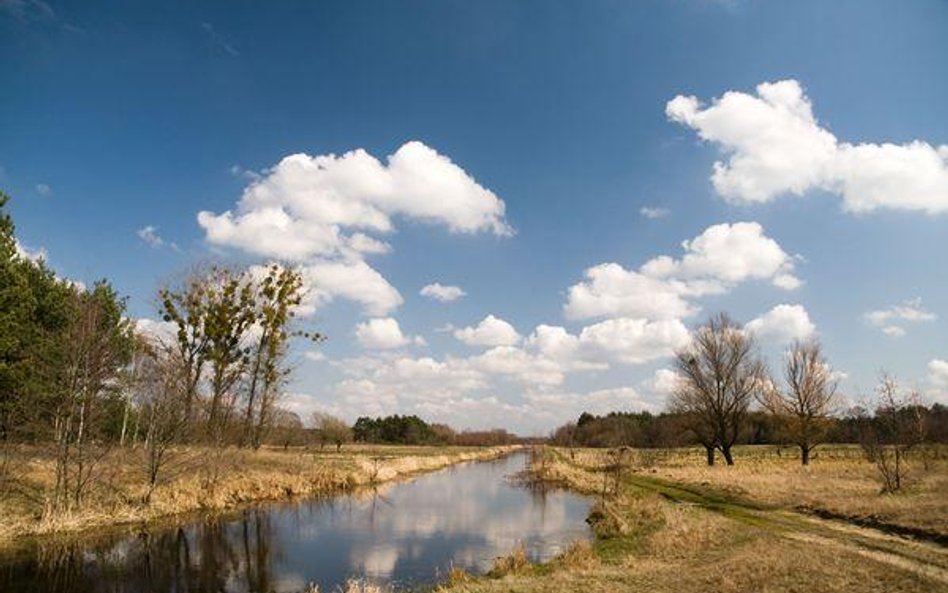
[404,534]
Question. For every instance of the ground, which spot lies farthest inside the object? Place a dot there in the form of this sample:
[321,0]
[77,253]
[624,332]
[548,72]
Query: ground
[673,525]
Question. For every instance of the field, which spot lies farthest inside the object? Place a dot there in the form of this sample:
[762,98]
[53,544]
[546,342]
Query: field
[208,480]
[664,522]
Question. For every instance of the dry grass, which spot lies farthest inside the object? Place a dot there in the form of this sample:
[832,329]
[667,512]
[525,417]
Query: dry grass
[513,563]
[580,555]
[351,586]
[456,576]
[647,543]
[839,481]
[203,479]
[686,529]
[626,514]
[697,551]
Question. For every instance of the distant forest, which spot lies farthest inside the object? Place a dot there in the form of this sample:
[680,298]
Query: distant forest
[412,430]
[672,429]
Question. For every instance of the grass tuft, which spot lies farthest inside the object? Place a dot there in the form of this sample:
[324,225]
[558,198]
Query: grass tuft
[513,563]
[580,555]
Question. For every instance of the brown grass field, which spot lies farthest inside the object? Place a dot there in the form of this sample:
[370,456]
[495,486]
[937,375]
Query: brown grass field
[675,526]
[201,479]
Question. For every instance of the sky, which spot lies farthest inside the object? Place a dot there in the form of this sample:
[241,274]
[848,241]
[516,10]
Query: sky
[506,212]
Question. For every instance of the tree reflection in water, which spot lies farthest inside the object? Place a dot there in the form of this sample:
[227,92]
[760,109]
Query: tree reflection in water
[402,533]
[234,555]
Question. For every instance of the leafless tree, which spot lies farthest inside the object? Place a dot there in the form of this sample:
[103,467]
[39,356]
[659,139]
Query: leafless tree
[897,427]
[98,348]
[286,428]
[805,404]
[720,374]
[330,429]
[161,392]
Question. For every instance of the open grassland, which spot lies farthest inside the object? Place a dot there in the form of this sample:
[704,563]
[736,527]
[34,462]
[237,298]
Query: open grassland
[206,479]
[838,483]
[665,526]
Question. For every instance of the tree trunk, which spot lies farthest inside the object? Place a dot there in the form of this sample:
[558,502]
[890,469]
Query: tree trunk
[726,452]
[709,451]
[805,454]
[124,422]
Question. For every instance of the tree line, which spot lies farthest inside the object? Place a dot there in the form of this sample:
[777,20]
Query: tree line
[666,429]
[412,430]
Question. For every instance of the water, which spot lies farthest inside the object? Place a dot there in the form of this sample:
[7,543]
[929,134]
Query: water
[403,534]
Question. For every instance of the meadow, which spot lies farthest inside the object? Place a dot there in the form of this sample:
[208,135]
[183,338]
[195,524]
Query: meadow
[663,522]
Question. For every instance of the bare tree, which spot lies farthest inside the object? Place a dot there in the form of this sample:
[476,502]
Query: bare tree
[809,398]
[161,389]
[330,429]
[897,427]
[286,428]
[720,374]
[99,345]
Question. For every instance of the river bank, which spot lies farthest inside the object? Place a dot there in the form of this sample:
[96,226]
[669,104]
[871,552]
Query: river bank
[199,479]
[656,535]
[401,535]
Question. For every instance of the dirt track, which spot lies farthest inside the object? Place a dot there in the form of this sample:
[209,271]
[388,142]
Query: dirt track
[926,558]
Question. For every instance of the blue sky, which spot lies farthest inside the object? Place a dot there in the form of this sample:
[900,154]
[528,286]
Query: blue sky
[121,122]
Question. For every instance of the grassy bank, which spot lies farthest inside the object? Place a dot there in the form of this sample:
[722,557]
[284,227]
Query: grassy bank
[670,527]
[205,479]
[838,483]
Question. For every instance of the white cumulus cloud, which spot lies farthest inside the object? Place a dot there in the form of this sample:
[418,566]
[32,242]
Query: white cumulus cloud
[783,323]
[726,254]
[634,341]
[514,363]
[774,145]
[621,339]
[491,331]
[664,382]
[352,280]
[327,213]
[721,257]
[383,333]
[442,293]
[309,206]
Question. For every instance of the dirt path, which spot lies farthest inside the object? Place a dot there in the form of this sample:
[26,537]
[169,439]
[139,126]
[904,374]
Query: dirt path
[925,558]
